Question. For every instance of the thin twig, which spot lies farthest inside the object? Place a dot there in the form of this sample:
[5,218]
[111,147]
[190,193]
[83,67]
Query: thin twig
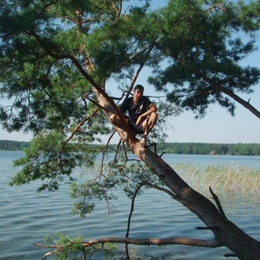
[132,208]
[74,131]
[219,6]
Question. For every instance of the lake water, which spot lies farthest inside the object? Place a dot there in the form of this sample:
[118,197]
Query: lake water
[27,217]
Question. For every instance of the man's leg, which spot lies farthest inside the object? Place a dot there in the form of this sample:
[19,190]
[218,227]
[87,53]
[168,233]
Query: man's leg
[149,123]
[115,120]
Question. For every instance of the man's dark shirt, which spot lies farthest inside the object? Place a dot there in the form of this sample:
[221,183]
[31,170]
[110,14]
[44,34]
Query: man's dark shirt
[134,111]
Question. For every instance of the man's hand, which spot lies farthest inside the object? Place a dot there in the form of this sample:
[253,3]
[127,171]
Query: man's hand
[139,120]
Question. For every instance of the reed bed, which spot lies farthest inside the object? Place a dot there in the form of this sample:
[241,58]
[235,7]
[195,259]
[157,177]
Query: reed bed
[222,178]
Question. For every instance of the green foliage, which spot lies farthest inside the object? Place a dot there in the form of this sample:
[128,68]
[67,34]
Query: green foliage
[205,42]
[48,158]
[119,173]
[69,247]
[76,249]
[36,60]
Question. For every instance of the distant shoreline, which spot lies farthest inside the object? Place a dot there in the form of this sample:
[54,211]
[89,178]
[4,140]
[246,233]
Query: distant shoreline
[175,148]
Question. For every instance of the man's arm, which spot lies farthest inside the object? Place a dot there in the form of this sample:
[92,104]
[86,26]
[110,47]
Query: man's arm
[152,109]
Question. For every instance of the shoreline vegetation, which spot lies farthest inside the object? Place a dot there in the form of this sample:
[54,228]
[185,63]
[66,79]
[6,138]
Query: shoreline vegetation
[175,148]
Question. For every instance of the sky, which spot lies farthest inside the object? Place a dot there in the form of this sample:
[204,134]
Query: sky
[218,126]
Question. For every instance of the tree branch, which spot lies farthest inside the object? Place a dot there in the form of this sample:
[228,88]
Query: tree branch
[215,197]
[211,243]
[132,208]
[156,241]
[216,6]
[241,101]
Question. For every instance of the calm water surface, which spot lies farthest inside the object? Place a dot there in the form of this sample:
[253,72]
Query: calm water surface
[27,217]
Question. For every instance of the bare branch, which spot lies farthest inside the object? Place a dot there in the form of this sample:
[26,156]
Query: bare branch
[216,6]
[159,188]
[215,197]
[241,101]
[158,241]
[210,243]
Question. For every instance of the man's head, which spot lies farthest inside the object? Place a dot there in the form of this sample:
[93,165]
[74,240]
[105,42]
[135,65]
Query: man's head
[140,87]
[138,93]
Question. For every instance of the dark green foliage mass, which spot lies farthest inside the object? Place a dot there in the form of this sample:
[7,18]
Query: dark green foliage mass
[205,42]
[47,48]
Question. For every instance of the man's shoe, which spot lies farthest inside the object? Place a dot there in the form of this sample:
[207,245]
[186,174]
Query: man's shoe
[143,140]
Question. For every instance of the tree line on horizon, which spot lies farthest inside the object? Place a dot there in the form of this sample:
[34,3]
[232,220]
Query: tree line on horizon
[13,145]
[176,148]
[211,148]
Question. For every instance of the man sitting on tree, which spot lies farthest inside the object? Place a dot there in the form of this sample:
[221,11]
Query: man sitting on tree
[142,113]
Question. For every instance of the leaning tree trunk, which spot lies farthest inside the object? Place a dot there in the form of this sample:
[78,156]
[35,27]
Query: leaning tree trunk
[225,232]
